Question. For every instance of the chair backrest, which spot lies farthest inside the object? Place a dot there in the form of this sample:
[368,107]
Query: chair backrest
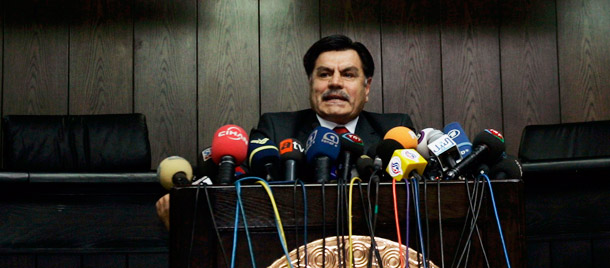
[76,143]
[565,147]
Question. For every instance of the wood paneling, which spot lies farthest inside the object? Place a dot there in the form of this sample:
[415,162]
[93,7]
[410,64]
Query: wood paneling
[104,261]
[18,261]
[471,67]
[287,29]
[228,59]
[58,260]
[584,64]
[412,62]
[101,57]
[530,89]
[165,76]
[36,49]
[359,20]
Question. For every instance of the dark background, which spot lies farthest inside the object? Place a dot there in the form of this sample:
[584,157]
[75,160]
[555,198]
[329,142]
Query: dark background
[193,66]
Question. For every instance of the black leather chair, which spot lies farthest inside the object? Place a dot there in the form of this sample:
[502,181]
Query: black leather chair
[76,147]
[566,173]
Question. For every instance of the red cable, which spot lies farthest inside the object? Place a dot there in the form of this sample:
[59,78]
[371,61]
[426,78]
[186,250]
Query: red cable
[397,222]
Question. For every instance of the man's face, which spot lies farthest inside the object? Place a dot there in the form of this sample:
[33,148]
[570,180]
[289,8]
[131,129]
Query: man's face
[339,88]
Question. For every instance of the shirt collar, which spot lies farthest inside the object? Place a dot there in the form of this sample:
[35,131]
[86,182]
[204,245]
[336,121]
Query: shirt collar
[351,125]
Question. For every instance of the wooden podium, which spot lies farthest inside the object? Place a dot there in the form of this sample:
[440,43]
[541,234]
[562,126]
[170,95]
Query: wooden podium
[261,222]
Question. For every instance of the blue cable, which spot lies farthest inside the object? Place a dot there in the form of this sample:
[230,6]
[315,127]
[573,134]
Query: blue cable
[234,250]
[421,237]
[243,215]
[238,186]
[493,202]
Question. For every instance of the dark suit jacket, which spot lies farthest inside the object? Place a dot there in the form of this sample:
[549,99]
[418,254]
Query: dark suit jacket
[371,127]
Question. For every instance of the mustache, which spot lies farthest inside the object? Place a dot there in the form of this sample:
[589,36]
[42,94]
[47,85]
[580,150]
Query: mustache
[333,93]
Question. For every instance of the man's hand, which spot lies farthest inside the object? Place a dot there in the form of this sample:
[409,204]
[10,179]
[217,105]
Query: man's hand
[163,210]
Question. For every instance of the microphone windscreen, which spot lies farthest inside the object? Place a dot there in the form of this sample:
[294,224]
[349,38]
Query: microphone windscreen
[205,164]
[291,149]
[262,151]
[352,143]
[172,166]
[405,136]
[322,142]
[434,135]
[457,133]
[230,140]
[507,168]
[422,142]
[494,142]
[385,149]
[364,166]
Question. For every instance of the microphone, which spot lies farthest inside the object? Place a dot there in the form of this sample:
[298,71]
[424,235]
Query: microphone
[263,156]
[488,147]
[291,154]
[352,147]
[205,165]
[404,162]
[229,149]
[446,151]
[365,166]
[385,149]
[422,142]
[321,150]
[405,136]
[457,133]
[507,168]
[174,170]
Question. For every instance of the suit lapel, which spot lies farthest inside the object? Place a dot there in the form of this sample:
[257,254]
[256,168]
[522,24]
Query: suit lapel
[366,131]
[309,121]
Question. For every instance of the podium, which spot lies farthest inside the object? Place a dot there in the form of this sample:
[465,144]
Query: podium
[187,223]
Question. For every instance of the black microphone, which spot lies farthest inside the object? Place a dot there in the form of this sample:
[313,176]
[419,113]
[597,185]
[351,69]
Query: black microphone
[291,154]
[206,166]
[263,156]
[507,168]
[351,148]
[487,147]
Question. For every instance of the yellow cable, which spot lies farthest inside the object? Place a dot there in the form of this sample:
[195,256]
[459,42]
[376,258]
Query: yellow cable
[349,221]
[277,213]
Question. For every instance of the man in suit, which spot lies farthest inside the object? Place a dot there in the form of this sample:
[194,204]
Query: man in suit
[340,73]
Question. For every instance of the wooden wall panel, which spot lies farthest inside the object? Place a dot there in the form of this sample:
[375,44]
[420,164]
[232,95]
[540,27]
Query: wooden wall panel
[530,89]
[105,261]
[359,20]
[58,260]
[287,30]
[584,61]
[101,57]
[471,65]
[165,75]
[412,62]
[36,48]
[228,62]
[18,261]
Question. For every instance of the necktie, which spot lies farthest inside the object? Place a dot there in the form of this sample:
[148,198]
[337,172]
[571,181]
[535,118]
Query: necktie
[340,130]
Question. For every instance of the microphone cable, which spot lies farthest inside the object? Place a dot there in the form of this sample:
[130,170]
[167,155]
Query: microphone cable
[396,220]
[193,228]
[407,216]
[372,216]
[474,208]
[440,222]
[349,221]
[239,207]
[426,221]
[493,202]
[220,244]
[417,214]
[323,186]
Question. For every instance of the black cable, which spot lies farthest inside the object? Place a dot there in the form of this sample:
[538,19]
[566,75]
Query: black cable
[193,228]
[427,260]
[415,206]
[339,224]
[367,220]
[440,221]
[323,186]
[222,248]
[296,224]
[475,210]
[373,214]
